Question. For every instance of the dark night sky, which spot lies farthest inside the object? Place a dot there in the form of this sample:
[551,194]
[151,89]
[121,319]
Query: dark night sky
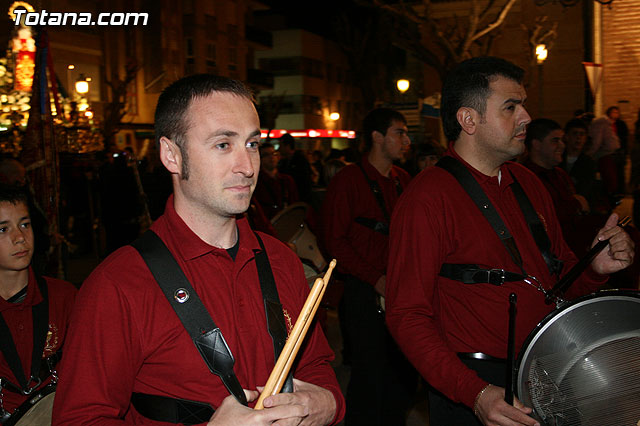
[313,15]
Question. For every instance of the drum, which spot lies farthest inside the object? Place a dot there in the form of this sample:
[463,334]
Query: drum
[36,411]
[291,228]
[581,364]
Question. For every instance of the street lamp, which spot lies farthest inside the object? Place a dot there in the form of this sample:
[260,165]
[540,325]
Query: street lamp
[541,56]
[541,53]
[402,85]
[82,85]
[334,116]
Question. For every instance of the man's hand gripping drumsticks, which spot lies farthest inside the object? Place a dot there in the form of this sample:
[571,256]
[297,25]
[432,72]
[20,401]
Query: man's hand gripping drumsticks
[308,405]
[288,355]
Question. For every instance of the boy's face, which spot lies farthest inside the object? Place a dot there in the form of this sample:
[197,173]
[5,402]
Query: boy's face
[16,237]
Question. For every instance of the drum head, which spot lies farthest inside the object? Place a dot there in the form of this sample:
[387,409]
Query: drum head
[290,221]
[36,411]
[291,228]
[581,365]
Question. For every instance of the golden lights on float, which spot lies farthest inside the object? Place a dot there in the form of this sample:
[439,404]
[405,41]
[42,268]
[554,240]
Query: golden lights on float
[24,51]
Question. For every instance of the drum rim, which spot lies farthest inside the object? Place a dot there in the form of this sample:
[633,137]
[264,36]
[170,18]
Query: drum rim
[553,316]
[299,204]
[24,408]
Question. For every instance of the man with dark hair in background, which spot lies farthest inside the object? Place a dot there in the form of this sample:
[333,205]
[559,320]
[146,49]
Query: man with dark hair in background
[355,231]
[447,289]
[545,147]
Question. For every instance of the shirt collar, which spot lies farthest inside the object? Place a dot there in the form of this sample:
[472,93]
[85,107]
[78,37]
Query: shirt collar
[506,177]
[33,294]
[373,173]
[186,244]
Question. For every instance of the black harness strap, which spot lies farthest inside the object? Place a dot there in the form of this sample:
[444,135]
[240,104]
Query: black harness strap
[206,335]
[40,315]
[273,308]
[186,303]
[537,229]
[472,273]
[377,226]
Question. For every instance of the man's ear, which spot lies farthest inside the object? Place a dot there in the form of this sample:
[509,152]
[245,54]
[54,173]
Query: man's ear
[468,118]
[535,144]
[170,155]
[377,137]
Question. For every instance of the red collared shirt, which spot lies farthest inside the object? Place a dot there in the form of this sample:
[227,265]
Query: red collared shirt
[432,317]
[19,319]
[359,250]
[126,338]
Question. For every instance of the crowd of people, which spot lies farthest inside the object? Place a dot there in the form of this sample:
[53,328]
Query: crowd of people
[430,242]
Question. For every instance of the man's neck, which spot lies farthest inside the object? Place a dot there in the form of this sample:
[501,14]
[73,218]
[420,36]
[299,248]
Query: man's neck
[11,282]
[539,162]
[214,230]
[480,161]
[380,162]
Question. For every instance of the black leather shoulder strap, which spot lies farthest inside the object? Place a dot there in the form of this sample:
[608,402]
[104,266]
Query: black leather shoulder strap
[272,307]
[40,316]
[473,188]
[475,191]
[186,303]
[537,228]
[196,319]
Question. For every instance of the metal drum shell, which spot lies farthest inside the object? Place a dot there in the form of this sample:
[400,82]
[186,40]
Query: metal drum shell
[562,370]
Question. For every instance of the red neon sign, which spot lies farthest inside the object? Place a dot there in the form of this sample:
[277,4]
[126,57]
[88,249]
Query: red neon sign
[310,133]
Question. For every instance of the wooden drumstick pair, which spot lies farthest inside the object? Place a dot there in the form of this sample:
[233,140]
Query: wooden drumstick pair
[285,360]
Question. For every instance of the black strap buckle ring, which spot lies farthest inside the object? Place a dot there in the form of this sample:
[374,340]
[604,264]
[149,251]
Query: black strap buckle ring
[32,384]
[491,276]
[497,274]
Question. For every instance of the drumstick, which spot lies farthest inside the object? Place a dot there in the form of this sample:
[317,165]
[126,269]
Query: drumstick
[565,282]
[307,324]
[508,392]
[285,360]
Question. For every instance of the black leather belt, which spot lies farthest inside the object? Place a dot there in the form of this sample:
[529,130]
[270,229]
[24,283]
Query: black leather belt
[479,356]
[171,410]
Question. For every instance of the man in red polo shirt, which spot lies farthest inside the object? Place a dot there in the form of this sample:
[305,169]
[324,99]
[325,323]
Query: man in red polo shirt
[454,330]
[355,231]
[129,359]
[20,292]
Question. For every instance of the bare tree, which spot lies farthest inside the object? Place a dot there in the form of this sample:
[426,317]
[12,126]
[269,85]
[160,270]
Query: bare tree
[444,42]
[542,32]
[361,34]
[116,108]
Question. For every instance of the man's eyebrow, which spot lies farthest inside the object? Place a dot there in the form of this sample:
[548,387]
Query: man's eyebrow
[514,101]
[224,132]
[231,133]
